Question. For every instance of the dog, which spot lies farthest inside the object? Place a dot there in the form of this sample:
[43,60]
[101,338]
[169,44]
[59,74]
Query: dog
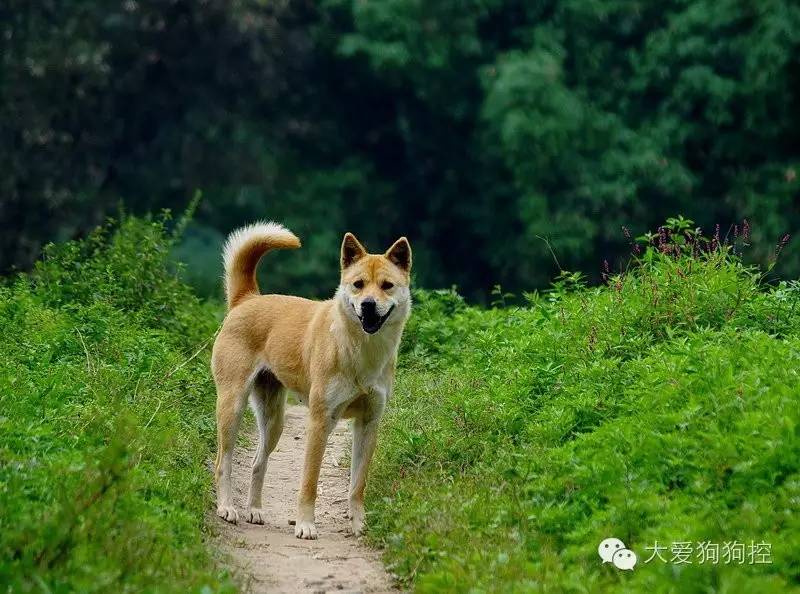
[338,356]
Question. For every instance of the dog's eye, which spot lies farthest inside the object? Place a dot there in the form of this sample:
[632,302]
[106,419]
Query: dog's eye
[359,284]
[386,285]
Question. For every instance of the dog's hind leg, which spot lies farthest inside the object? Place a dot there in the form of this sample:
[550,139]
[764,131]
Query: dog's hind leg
[232,391]
[268,401]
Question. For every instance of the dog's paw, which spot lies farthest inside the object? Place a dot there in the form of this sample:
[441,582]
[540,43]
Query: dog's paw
[255,516]
[356,515]
[358,524]
[358,527]
[228,513]
[305,530]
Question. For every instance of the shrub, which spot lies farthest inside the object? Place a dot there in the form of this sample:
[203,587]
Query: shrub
[661,406]
[107,421]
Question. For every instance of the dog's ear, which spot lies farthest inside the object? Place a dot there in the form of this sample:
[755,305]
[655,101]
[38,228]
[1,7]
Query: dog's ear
[400,254]
[352,250]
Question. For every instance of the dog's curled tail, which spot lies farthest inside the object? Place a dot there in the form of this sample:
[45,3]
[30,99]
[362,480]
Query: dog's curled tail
[244,249]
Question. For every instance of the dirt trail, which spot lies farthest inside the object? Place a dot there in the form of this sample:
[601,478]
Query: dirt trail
[270,556]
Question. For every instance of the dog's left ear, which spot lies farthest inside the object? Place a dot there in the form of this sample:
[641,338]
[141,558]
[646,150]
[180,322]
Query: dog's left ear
[400,254]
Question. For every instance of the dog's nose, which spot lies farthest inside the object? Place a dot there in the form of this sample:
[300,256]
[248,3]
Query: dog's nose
[368,306]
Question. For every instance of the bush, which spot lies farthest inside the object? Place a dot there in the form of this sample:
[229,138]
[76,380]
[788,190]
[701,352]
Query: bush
[107,421]
[662,406]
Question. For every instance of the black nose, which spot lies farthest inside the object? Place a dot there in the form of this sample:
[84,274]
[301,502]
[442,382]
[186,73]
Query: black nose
[368,306]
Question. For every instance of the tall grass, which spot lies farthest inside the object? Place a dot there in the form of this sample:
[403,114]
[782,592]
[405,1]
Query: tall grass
[106,421]
[664,406]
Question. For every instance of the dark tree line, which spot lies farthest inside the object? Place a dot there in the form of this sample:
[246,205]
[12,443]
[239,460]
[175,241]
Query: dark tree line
[473,127]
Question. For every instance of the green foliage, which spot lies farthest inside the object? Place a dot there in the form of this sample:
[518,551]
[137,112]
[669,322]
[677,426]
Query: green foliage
[140,101]
[126,267]
[474,128]
[107,421]
[661,406]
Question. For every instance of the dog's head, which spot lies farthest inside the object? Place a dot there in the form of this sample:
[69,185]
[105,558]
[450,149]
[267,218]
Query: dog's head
[374,288]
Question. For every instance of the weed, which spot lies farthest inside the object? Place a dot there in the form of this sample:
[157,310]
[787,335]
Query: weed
[106,422]
[661,406]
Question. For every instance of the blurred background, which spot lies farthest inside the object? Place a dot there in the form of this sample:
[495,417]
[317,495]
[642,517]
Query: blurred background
[472,127]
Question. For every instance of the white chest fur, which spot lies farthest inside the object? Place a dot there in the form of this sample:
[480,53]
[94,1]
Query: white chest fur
[367,361]
[365,366]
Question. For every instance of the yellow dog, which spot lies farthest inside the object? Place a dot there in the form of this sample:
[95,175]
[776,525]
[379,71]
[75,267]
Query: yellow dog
[338,355]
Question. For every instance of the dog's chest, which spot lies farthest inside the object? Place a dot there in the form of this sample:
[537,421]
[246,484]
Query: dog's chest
[365,364]
[369,367]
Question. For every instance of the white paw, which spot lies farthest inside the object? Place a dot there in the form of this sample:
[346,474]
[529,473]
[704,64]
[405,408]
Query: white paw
[255,516]
[228,513]
[305,530]
[357,523]
[356,515]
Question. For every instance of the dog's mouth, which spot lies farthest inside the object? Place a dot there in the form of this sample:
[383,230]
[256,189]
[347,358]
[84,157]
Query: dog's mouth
[371,322]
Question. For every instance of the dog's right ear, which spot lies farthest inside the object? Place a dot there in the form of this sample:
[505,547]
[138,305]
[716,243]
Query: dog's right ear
[352,250]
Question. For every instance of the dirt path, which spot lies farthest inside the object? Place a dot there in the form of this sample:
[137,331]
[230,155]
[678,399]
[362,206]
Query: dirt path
[269,555]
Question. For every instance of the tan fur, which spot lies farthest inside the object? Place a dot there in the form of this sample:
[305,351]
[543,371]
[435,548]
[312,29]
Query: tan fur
[317,349]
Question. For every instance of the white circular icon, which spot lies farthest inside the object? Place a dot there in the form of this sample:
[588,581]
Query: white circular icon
[608,547]
[624,559]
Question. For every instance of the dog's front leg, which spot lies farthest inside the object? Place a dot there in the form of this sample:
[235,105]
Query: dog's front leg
[319,427]
[365,436]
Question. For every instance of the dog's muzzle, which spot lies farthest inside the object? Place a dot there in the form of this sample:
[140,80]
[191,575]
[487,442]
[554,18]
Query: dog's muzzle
[371,322]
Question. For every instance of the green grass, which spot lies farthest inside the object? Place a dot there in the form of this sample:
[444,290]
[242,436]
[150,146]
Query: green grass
[106,422]
[664,406]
